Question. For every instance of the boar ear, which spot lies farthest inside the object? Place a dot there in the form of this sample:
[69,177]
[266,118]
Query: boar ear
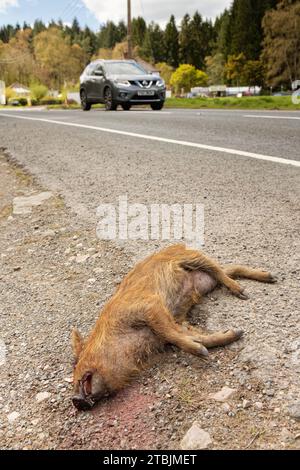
[77,343]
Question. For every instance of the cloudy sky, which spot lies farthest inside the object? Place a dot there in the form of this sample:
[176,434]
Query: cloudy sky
[95,12]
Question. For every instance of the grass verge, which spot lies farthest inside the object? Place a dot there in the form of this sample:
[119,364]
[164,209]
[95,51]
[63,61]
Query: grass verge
[246,102]
[283,103]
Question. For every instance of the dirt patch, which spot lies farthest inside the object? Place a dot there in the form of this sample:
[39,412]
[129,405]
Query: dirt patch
[122,421]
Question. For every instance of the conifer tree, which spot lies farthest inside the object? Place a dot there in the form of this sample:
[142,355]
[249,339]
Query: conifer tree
[185,40]
[171,43]
[139,29]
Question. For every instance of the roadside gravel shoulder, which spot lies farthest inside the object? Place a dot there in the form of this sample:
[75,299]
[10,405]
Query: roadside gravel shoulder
[55,275]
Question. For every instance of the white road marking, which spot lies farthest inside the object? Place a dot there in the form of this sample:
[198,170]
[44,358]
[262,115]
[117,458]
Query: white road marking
[24,110]
[270,117]
[241,153]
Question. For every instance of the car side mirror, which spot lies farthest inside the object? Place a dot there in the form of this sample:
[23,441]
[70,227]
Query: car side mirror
[98,73]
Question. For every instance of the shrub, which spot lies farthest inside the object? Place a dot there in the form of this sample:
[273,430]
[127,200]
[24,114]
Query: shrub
[165,70]
[49,100]
[72,102]
[23,101]
[14,102]
[38,92]
[187,77]
[10,94]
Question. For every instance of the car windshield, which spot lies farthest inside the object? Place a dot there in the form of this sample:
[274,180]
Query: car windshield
[124,68]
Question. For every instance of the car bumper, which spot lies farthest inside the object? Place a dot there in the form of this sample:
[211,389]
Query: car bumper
[133,96]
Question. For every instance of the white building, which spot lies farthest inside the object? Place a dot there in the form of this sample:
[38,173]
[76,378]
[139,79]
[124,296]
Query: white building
[19,89]
[74,96]
[2,93]
[296,85]
[243,90]
[223,90]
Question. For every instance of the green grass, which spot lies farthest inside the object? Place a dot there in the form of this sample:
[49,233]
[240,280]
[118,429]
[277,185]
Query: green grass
[247,102]
[5,106]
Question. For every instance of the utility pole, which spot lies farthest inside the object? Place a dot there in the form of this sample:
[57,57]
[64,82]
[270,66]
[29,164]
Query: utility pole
[129,29]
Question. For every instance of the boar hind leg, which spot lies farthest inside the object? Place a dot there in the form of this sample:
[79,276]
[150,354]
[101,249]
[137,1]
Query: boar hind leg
[220,338]
[193,260]
[234,271]
[216,339]
[161,322]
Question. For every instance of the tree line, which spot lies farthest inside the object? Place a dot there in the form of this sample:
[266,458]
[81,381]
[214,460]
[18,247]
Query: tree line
[254,42]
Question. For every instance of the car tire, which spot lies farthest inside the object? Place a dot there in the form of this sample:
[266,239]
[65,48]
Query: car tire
[126,106]
[110,104]
[85,105]
[157,106]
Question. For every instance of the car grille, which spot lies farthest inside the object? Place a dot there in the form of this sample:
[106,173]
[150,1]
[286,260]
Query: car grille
[144,83]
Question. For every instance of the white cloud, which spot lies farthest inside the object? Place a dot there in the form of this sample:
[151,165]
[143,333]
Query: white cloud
[5,4]
[156,10]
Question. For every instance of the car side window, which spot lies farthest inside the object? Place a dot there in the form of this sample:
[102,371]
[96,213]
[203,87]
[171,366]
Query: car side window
[98,68]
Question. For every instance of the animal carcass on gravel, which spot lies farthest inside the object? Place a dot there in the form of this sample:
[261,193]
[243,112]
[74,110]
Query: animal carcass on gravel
[149,310]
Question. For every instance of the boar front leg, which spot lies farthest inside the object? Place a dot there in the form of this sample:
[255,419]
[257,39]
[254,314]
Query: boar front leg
[160,320]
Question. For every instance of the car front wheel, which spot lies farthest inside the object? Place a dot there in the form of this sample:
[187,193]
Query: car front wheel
[85,105]
[157,106]
[110,104]
[126,106]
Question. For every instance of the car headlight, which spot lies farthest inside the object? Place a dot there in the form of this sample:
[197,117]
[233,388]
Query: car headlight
[122,82]
[160,83]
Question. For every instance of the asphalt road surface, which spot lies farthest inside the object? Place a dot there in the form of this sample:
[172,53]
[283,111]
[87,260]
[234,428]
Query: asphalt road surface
[233,161]
[242,165]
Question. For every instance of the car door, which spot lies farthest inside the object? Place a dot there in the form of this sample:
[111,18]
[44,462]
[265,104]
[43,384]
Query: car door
[97,83]
[88,83]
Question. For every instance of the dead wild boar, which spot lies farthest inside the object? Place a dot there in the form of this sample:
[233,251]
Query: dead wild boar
[147,311]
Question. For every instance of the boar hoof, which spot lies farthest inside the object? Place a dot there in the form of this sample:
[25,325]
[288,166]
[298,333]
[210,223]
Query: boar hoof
[272,279]
[238,333]
[203,351]
[242,295]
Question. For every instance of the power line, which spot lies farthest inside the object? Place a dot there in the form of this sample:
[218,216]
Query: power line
[70,9]
[73,11]
[68,6]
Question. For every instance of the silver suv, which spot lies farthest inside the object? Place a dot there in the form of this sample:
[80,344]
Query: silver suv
[120,82]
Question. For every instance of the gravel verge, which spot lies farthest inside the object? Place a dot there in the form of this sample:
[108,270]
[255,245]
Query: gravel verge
[55,274]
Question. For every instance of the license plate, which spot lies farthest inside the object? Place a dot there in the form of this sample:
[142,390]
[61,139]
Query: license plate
[146,93]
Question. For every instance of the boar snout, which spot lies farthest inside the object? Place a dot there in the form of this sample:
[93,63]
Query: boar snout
[89,390]
[82,404]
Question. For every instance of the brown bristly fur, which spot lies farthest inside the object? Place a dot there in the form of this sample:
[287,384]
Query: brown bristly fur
[149,309]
